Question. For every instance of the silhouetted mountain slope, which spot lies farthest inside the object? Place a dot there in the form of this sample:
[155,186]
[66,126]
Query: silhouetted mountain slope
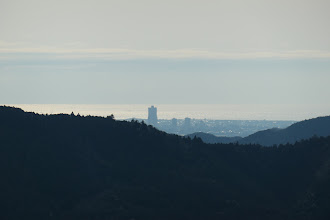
[72,167]
[212,139]
[301,130]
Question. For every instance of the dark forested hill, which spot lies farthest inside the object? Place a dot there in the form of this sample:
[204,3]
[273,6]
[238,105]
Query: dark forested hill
[212,139]
[73,167]
[301,130]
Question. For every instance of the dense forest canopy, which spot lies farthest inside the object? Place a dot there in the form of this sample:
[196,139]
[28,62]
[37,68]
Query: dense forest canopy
[76,167]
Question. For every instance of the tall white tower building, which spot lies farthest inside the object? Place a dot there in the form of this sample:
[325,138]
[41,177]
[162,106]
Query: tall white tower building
[152,116]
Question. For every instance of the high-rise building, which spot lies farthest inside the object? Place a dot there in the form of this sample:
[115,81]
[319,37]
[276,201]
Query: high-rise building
[174,123]
[152,116]
[187,122]
[187,128]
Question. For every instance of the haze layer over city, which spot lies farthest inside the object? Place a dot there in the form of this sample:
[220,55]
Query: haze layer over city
[165,52]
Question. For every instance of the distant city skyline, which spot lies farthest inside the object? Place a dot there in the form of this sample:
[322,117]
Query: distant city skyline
[195,111]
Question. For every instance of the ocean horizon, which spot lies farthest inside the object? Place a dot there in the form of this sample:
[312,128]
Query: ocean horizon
[181,111]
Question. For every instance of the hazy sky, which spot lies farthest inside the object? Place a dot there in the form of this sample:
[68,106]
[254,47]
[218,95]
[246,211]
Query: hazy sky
[93,51]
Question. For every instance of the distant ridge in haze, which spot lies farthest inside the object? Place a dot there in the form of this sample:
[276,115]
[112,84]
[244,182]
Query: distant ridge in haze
[301,130]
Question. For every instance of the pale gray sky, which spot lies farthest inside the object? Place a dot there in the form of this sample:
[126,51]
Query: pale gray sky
[210,51]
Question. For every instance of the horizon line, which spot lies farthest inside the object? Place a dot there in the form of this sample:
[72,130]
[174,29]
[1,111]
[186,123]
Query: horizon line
[135,54]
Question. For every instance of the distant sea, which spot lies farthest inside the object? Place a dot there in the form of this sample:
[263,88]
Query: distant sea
[165,111]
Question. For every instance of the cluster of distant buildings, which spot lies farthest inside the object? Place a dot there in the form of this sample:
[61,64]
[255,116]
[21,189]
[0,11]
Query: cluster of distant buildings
[217,127]
[153,120]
